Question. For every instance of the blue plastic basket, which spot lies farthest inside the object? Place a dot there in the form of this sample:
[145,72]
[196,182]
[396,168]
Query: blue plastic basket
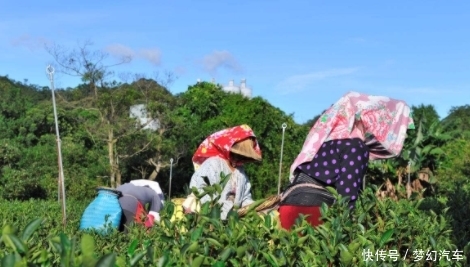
[104,213]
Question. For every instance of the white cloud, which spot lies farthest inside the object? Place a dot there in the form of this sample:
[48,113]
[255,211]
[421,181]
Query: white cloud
[30,42]
[300,82]
[153,55]
[220,59]
[120,50]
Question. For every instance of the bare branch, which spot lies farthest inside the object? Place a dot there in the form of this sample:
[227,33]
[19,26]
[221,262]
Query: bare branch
[65,60]
[151,162]
[137,152]
[176,159]
[136,129]
[163,164]
[83,62]
[168,78]
[142,170]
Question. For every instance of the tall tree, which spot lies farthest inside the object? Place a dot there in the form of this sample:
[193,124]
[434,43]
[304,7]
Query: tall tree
[159,107]
[113,124]
[85,63]
[107,113]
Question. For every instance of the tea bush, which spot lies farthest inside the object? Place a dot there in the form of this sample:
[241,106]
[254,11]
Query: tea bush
[376,233]
[455,203]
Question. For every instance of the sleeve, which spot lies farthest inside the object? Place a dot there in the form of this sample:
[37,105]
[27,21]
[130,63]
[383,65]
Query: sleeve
[155,203]
[152,218]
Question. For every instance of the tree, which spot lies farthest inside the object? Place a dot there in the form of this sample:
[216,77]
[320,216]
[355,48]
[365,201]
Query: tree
[160,106]
[457,123]
[427,114]
[455,167]
[206,108]
[109,122]
[89,65]
[127,139]
[107,115]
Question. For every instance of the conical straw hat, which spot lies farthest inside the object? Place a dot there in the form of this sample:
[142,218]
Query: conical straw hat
[245,148]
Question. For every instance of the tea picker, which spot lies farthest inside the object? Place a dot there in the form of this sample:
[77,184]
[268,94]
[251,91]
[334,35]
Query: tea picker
[136,202]
[356,129]
[269,203]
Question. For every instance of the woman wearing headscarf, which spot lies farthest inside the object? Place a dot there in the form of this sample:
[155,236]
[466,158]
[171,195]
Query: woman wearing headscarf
[135,196]
[337,150]
[226,152]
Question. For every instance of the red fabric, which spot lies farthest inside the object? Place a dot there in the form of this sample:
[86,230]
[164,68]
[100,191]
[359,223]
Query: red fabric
[288,214]
[140,213]
[220,143]
[150,221]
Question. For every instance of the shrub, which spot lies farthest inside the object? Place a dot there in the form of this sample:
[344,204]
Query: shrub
[20,185]
[375,228]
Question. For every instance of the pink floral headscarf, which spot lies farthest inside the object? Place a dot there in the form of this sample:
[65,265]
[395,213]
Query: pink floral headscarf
[385,118]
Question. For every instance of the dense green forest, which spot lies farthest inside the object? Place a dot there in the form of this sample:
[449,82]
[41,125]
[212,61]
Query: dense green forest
[102,145]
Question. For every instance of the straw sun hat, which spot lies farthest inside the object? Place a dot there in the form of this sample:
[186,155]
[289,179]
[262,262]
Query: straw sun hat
[246,149]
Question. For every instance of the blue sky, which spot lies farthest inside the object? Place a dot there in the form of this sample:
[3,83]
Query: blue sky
[299,55]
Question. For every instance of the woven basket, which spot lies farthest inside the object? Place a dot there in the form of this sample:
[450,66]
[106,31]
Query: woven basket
[268,204]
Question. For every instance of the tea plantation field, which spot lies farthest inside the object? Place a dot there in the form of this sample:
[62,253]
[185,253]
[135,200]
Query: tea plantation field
[378,233]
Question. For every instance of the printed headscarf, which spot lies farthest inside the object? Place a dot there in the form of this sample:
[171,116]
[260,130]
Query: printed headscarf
[219,144]
[385,121]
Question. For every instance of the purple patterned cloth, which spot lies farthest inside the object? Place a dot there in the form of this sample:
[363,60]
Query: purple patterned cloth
[340,164]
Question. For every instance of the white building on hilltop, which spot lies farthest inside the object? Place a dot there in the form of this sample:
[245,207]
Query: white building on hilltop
[232,88]
[140,113]
[241,89]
